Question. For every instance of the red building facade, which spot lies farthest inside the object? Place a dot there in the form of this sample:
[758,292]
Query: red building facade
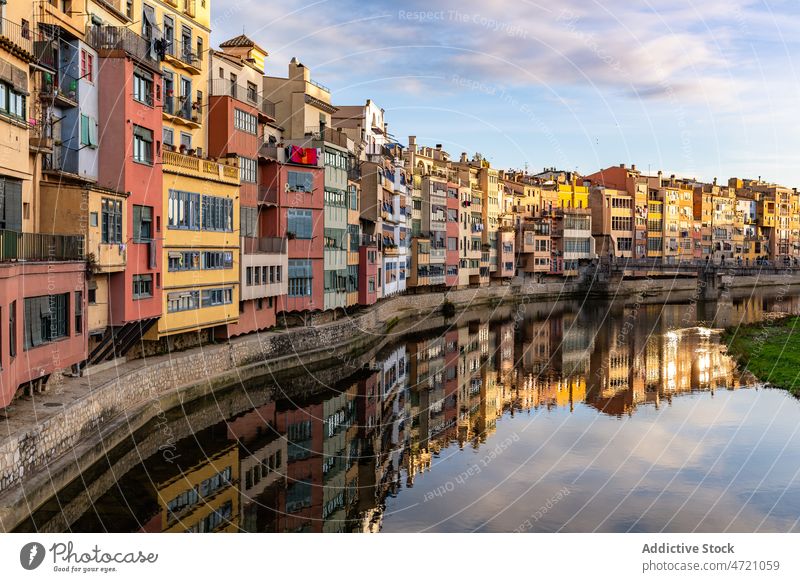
[291,198]
[132,115]
[42,321]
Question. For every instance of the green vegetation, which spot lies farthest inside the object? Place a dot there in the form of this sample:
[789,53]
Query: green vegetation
[770,350]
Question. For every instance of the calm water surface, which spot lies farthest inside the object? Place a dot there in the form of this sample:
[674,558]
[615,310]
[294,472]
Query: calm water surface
[575,417]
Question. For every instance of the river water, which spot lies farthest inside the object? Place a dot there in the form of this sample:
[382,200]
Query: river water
[566,416]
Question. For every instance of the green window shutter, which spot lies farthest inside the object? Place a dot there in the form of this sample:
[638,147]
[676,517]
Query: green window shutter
[84,130]
[93,138]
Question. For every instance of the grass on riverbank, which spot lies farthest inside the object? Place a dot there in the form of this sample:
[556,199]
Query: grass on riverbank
[770,350]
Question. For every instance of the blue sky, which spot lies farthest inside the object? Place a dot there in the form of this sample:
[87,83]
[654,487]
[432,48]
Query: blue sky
[704,89]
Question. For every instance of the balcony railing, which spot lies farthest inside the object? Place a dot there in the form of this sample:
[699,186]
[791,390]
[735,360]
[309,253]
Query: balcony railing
[329,135]
[13,35]
[182,107]
[188,56]
[110,39]
[264,245]
[192,164]
[30,246]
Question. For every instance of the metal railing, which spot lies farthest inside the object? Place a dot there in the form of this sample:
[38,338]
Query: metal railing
[32,246]
[329,135]
[105,39]
[187,55]
[17,35]
[319,85]
[182,107]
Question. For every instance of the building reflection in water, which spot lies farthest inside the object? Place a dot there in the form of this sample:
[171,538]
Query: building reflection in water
[328,463]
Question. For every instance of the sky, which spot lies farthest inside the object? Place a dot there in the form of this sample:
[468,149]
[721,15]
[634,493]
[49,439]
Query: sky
[704,88]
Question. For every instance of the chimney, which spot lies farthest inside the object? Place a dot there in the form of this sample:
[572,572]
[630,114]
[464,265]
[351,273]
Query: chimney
[464,158]
[622,166]
[412,141]
[660,176]
[438,146]
[633,167]
[715,181]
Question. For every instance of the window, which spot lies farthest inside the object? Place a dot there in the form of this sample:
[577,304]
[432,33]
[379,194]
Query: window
[354,231]
[12,102]
[142,286]
[621,223]
[252,92]
[300,181]
[148,20]
[352,197]
[576,245]
[45,319]
[12,329]
[78,312]
[169,35]
[249,276]
[572,222]
[91,294]
[168,138]
[624,244]
[654,244]
[183,210]
[129,9]
[300,277]
[183,301]
[214,297]
[217,213]
[298,222]
[142,145]
[143,87]
[111,228]
[142,224]
[186,140]
[452,244]
[89,131]
[217,260]
[183,260]
[245,121]
[248,170]
[87,66]
[248,221]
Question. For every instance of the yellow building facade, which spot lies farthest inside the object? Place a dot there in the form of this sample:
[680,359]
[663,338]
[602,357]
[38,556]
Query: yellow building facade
[201,245]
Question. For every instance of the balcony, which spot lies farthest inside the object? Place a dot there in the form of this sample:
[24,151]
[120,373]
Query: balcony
[184,57]
[244,94]
[182,110]
[16,39]
[177,163]
[30,246]
[117,41]
[329,135]
[437,255]
[263,245]
[268,195]
[57,89]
